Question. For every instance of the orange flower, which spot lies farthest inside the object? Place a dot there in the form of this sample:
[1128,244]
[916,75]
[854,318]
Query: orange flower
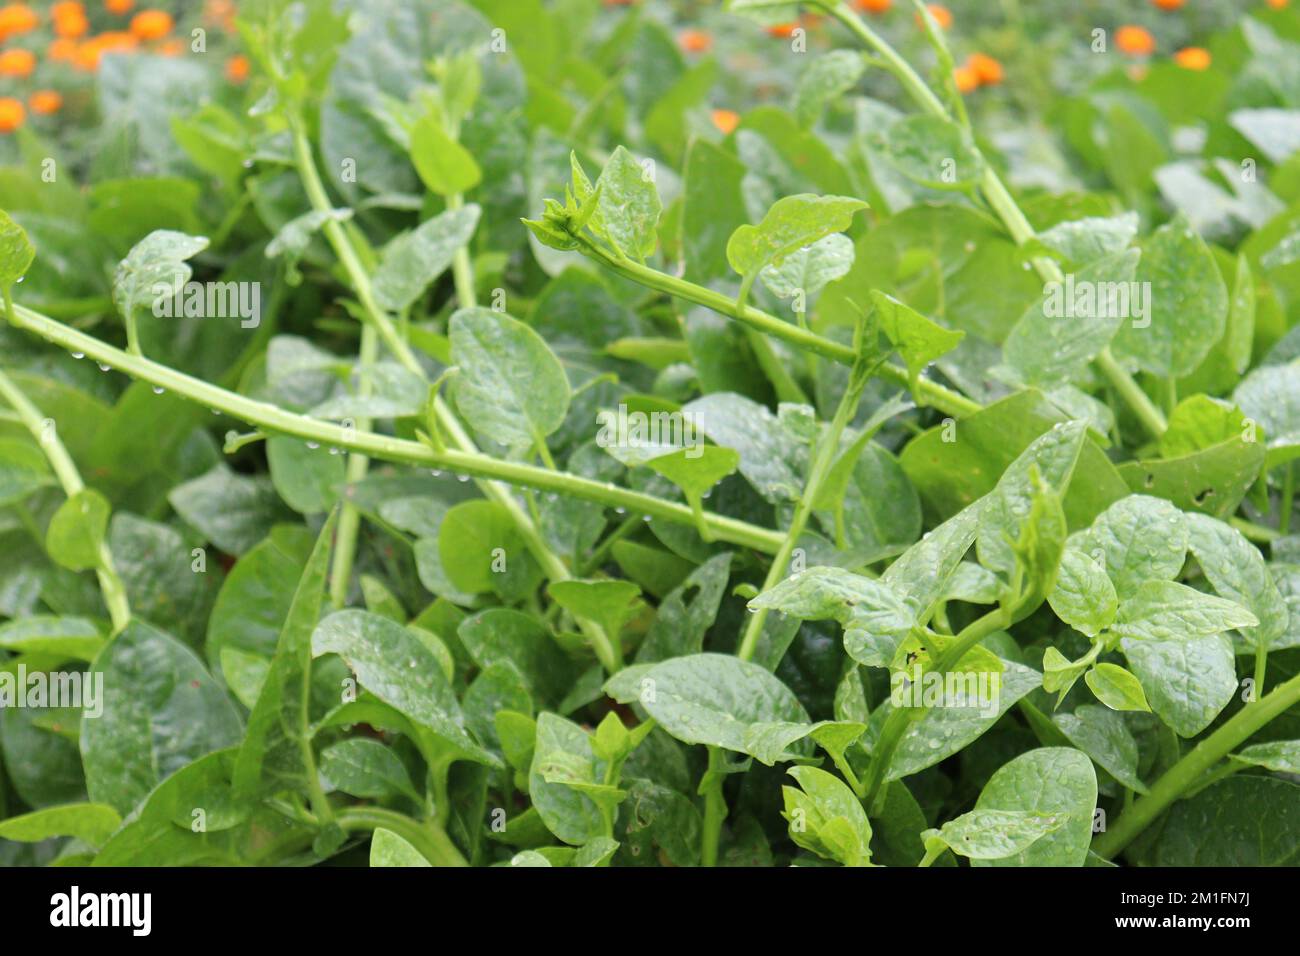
[18,63]
[1277,4]
[726,120]
[695,41]
[874,6]
[62,50]
[1168,4]
[71,25]
[1135,41]
[45,102]
[16,18]
[171,48]
[151,25]
[782,30]
[1193,58]
[237,68]
[119,6]
[12,114]
[942,15]
[987,69]
[966,78]
[67,8]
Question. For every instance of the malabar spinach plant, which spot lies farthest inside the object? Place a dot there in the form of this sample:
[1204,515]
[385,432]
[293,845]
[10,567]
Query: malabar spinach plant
[474,444]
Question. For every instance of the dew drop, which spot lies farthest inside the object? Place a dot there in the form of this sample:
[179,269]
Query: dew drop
[102,367]
[313,445]
[334,451]
[78,355]
[436,473]
[462,478]
[620,510]
[158,390]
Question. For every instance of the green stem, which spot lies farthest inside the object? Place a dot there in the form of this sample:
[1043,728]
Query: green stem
[999,198]
[715,810]
[462,270]
[827,449]
[1288,499]
[272,418]
[345,547]
[944,399]
[1254,532]
[932,854]
[1186,772]
[65,469]
[896,724]
[427,837]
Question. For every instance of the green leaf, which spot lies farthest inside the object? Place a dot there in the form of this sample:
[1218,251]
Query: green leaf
[1166,610]
[609,603]
[1236,570]
[1116,688]
[276,751]
[232,510]
[563,758]
[76,533]
[1054,781]
[389,849]
[805,272]
[688,611]
[16,252]
[831,74]
[1046,467]
[1188,301]
[696,469]
[444,165]
[392,663]
[712,698]
[826,817]
[1188,681]
[994,834]
[932,151]
[1083,596]
[91,823]
[1083,241]
[770,743]
[627,207]
[501,634]
[23,470]
[1139,539]
[68,638]
[1280,756]
[918,340]
[161,711]
[510,384]
[791,224]
[1103,736]
[366,768]
[1241,821]
[307,479]
[414,260]
[1060,334]
[1201,422]
[154,268]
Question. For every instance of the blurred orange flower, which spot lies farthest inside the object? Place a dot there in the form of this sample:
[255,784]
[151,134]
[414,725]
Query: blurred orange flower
[12,114]
[987,69]
[1277,4]
[875,6]
[942,15]
[966,78]
[67,8]
[1193,58]
[62,50]
[71,25]
[1168,4]
[1135,41]
[17,18]
[119,6]
[45,102]
[151,25]
[726,120]
[782,30]
[237,68]
[695,41]
[18,63]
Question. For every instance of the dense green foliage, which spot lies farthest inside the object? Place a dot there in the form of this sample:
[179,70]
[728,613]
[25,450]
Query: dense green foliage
[566,433]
